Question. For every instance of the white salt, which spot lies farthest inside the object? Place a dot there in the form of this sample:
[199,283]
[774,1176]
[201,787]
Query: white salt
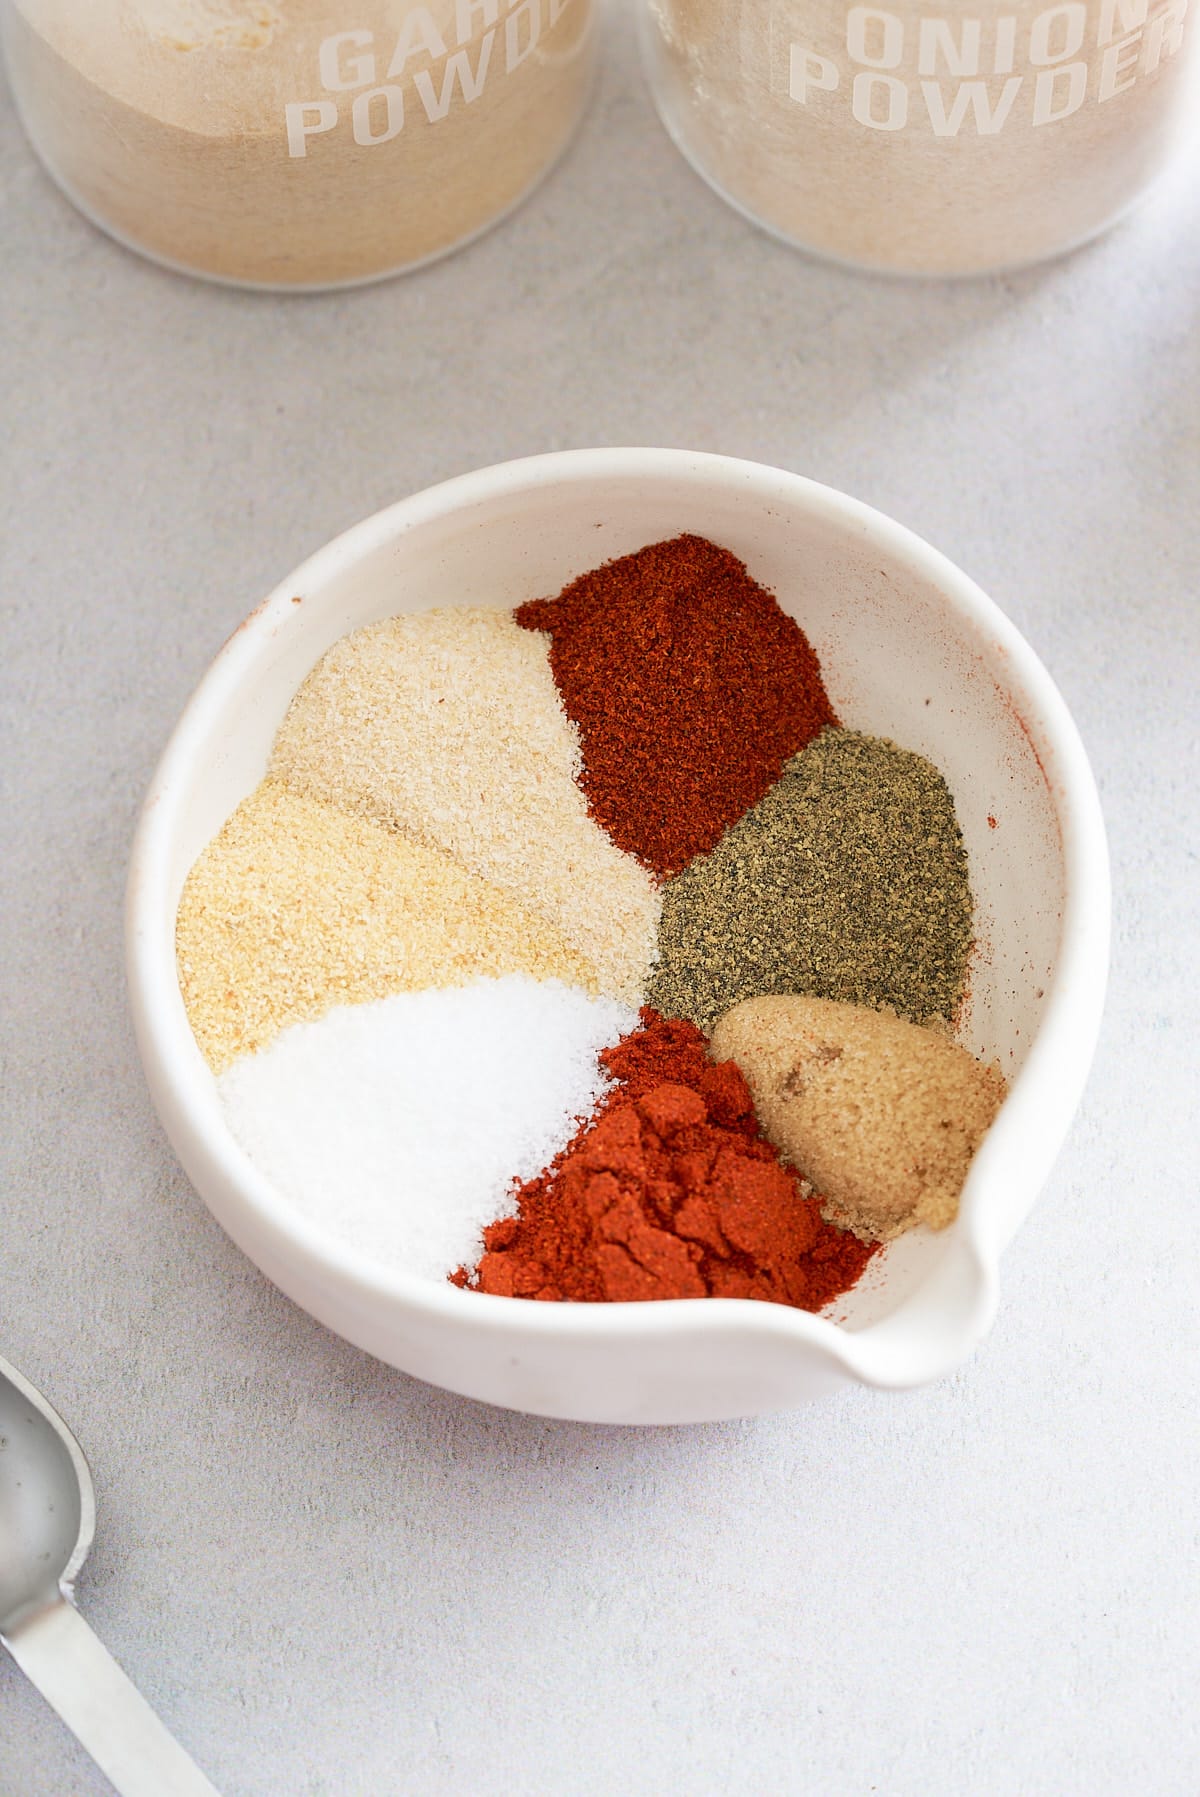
[401,1125]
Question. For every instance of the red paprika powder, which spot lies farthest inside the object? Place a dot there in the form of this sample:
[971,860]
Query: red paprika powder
[669,1191]
[690,689]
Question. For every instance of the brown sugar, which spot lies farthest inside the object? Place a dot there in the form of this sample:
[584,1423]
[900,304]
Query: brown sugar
[882,1115]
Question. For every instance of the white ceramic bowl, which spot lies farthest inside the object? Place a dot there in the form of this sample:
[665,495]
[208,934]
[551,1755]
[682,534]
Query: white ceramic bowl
[911,649]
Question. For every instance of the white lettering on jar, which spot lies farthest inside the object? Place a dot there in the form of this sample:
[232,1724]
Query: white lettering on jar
[973,96]
[936,37]
[419,36]
[465,11]
[1118,66]
[348,61]
[973,83]
[300,128]
[1006,45]
[895,99]
[1131,13]
[393,115]
[459,70]
[1072,17]
[806,70]
[516,50]
[1164,35]
[866,25]
[1049,106]
[339,72]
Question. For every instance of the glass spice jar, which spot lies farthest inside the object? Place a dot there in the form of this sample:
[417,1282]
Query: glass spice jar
[931,139]
[308,143]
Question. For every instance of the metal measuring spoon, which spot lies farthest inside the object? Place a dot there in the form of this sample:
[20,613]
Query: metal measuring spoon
[47,1516]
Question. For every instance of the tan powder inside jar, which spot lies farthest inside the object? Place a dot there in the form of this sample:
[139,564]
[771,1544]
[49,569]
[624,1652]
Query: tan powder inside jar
[301,144]
[925,138]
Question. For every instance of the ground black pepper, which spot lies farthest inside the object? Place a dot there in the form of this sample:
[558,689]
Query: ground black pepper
[848,880]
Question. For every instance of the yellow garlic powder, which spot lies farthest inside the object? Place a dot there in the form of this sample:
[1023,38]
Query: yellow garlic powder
[296,906]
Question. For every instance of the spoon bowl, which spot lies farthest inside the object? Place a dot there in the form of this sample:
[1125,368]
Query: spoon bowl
[47,1506]
[47,1519]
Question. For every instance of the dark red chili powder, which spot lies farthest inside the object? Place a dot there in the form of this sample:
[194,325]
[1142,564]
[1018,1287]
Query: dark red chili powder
[690,688]
[669,1191]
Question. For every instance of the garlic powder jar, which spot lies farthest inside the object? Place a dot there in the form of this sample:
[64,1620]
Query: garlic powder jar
[924,138]
[297,143]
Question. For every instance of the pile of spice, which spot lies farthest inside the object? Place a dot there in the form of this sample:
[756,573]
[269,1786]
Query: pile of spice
[297,906]
[448,728]
[669,1191]
[847,880]
[457,961]
[690,688]
[404,1122]
[882,1115]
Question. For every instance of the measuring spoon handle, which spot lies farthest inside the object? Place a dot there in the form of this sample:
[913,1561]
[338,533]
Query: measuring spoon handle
[78,1676]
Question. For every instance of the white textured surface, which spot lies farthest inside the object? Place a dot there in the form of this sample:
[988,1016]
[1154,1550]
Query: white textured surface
[334,1582]
[400,1126]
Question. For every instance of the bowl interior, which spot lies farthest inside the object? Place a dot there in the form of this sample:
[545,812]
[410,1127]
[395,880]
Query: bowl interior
[909,650]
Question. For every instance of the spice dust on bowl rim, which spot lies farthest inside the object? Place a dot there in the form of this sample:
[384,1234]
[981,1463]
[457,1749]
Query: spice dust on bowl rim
[912,651]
